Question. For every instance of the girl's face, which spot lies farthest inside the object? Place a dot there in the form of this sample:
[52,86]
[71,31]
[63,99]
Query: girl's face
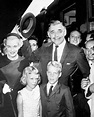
[32,80]
[12,46]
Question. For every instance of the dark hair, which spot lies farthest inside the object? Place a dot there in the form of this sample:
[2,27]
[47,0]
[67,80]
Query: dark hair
[91,33]
[33,37]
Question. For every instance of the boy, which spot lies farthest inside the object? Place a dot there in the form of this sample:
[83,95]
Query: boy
[59,102]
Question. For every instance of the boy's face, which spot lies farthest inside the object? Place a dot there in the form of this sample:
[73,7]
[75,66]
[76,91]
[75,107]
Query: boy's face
[53,74]
[32,80]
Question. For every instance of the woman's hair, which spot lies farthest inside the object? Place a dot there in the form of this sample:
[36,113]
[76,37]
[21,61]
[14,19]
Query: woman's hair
[33,37]
[29,70]
[14,35]
[55,64]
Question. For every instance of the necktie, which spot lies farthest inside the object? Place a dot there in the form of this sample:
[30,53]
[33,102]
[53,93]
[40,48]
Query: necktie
[50,90]
[55,53]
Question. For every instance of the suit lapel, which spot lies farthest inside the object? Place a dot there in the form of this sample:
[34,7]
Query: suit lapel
[65,53]
[50,49]
[45,89]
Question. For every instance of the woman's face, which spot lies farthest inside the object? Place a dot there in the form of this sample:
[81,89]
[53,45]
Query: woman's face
[12,46]
[33,44]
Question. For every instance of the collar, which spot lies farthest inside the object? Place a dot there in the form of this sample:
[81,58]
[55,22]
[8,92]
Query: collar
[14,58]
[90,62]
[61,45]
[49,85]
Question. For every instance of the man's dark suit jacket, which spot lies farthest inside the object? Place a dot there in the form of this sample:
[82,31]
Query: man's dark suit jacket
[59,103]
[72,57]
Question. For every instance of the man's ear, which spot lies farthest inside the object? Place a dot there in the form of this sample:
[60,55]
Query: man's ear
[48,33]
[4,42]
[60,74]
[47,73]
[68,39]
[65,31]
[20,43]
[80,40]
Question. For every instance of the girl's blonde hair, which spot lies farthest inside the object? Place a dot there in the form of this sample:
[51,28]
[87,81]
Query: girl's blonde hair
[29,70]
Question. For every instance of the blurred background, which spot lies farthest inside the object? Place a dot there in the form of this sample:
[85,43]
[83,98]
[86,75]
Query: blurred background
[73,13]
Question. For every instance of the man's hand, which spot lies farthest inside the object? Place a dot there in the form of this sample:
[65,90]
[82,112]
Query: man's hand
[6,88]
[84,83]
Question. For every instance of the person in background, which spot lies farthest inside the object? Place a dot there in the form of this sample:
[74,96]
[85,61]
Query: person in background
[11,67]
[3,49]
[33,43]
[56,98]
[47,42]
[75,38]
[88,84]
[28,99]
[90,35]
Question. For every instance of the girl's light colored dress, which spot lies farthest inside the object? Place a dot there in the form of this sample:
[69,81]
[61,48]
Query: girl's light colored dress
[31,100]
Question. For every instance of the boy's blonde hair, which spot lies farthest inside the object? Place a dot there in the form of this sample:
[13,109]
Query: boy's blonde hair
[29,70]
[55,64]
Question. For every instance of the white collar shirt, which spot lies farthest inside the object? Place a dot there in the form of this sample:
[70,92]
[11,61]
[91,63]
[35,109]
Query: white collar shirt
[59,50]
[49,85]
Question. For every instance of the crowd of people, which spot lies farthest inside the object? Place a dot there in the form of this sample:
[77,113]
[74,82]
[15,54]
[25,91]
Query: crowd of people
[54,80]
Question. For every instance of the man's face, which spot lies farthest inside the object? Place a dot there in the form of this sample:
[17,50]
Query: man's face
[90,50]
[75,38]
[57,33]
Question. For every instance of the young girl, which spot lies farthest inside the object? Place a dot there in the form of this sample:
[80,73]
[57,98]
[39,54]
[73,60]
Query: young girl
[28,99]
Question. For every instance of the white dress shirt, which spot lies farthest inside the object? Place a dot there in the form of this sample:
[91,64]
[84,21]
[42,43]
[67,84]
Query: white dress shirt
[49,85]
[59,50]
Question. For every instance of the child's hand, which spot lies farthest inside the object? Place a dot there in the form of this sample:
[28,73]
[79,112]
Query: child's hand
[6,88]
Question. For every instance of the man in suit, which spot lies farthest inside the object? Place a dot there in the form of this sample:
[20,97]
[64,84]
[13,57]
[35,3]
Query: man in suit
[88,84]
[68,55]
[56,98]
